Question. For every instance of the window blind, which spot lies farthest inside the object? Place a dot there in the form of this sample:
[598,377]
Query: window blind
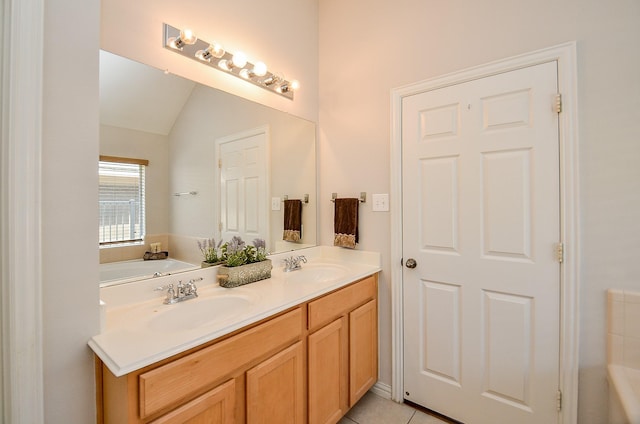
[121,200]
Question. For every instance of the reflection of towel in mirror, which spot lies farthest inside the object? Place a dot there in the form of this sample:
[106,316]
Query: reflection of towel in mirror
[292,220]
[345,223]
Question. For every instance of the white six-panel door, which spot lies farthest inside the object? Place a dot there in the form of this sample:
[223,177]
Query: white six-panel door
[244,188]
[481,218]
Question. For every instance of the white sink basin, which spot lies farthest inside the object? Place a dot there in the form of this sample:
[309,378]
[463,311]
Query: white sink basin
[199,312]
[316,273]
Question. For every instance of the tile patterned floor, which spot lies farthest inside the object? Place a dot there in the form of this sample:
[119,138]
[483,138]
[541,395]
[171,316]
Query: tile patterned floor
[373,409]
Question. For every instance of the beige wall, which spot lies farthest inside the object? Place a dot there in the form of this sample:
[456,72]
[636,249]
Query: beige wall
[369,47]
[125,142]
[209,115]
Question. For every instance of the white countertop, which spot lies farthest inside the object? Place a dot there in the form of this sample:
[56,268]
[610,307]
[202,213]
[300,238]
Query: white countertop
[140,330]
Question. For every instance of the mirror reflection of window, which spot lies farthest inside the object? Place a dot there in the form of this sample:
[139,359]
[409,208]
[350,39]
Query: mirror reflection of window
[121,200]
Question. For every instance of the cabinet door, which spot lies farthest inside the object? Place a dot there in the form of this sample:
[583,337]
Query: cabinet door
[363,350]
[275,389]
[214,407]
[328,372]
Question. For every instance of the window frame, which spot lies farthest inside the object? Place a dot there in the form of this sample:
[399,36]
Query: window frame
[143,163]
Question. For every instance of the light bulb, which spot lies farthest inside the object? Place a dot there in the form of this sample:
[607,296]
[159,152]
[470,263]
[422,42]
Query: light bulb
[188,37]
[224,64]
[274,78]
[288,86]
[239,59]
[260,69]
[216,50]
[203,55]
[175,43]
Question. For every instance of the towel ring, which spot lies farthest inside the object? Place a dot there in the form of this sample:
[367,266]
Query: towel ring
[362,199]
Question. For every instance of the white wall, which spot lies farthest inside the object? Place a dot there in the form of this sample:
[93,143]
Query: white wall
[264,31]
[69,189]
[369,47]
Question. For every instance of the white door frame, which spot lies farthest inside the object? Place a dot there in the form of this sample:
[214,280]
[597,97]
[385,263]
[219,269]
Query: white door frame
[565,55]
[20,212]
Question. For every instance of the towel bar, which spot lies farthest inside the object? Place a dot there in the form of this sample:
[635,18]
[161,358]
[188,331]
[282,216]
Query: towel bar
[363,197]
[304,200]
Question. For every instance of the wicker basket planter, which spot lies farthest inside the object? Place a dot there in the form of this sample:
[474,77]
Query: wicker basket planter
[244,274]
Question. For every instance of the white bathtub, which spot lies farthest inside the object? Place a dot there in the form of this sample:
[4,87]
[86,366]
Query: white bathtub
[127,271]
[624,394]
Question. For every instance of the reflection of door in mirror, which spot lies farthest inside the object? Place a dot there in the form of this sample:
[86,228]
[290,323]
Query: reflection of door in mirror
[242,160]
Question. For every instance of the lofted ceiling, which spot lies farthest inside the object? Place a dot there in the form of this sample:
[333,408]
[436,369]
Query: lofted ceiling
[136,96]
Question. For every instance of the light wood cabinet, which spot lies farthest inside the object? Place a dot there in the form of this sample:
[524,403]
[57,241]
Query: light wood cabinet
[343,354]
[308,364]
[275,389]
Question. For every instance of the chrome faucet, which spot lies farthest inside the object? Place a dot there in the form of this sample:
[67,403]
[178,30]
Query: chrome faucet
[182,292]
[294,263]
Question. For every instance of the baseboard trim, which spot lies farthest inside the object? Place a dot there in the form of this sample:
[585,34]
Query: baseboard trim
[382,390]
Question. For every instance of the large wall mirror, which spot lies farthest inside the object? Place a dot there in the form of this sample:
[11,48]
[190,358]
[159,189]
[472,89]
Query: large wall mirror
[180,126]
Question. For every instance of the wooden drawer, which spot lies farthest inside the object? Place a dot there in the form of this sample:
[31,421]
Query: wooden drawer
[336,304]
[192,374]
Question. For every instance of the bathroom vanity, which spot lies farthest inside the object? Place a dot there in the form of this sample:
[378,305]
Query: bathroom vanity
[302,348]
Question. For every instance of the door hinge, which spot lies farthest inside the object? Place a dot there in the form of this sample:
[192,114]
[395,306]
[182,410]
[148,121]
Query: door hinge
[220,163]
[557,103]
[559,400]
[560,252]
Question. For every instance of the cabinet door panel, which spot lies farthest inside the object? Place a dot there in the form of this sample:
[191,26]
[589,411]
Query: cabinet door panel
[328,365]
[363,350]
[214,407]
[275,388]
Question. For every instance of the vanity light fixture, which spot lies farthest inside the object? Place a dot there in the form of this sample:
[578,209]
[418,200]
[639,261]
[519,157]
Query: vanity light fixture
[185,43]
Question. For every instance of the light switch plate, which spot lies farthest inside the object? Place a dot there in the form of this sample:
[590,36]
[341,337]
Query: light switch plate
[380,202]
[275,203]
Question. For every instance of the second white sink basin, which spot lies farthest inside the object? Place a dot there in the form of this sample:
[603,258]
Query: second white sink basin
[198,312]
[316,273]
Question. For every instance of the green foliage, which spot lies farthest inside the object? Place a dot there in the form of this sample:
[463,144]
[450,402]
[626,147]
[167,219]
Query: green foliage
[236,252]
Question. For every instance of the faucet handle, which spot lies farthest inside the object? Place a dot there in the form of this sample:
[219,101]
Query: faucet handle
[180,288]
[171,295]
[302,258]
[191,288]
